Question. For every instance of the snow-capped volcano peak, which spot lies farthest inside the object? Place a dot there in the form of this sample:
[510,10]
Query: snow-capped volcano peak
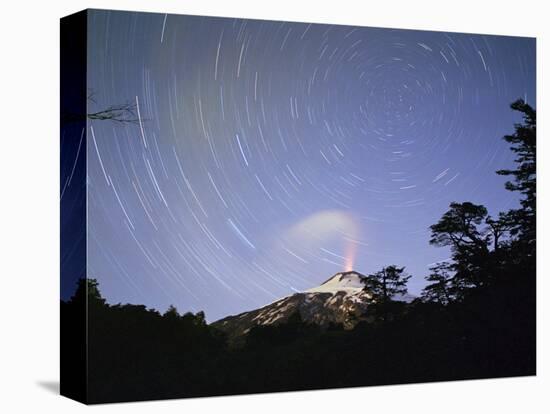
[350,282]
[342,299]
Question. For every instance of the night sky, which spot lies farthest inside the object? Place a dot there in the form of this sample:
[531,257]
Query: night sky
[270,155]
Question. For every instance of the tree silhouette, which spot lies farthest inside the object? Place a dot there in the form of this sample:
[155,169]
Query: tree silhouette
[524,144]
[458,228]
[498,228]
[123,113]
[443,288]
[171,313]
[88,290]
[387,283]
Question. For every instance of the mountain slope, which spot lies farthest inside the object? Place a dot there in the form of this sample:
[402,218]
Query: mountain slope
[339,300]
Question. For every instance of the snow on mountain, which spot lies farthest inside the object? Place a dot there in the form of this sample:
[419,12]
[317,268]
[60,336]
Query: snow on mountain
[339,300]
[349,282]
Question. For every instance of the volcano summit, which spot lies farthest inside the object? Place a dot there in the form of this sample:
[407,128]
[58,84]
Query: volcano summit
[341,300]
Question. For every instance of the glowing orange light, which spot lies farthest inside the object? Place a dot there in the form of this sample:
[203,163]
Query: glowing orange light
[351,249]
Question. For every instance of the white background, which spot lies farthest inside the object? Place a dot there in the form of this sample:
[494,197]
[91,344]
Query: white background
[29,210]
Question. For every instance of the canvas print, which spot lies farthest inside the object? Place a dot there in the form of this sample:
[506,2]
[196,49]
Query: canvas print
[253,206]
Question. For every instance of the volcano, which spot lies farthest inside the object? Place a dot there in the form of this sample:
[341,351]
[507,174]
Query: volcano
[340,300]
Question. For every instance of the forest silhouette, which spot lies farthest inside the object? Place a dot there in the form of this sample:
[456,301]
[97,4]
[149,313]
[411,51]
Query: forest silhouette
[476,318]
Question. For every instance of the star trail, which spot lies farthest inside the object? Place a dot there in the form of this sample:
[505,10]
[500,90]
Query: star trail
[266,156]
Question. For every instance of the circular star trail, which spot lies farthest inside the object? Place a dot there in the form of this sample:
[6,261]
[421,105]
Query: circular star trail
[269,155]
